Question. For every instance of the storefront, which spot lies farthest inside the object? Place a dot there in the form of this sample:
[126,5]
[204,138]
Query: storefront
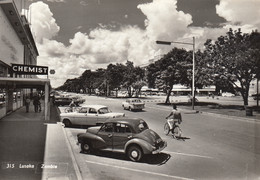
[18,60]
[15,90]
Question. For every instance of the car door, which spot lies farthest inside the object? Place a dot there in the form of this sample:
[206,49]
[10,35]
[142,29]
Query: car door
[122,134]
[92,117]
[80,117]
[103,115]
[106,133]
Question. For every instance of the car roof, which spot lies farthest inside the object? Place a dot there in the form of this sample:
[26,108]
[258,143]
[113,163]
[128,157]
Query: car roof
[94,106]
[126,120]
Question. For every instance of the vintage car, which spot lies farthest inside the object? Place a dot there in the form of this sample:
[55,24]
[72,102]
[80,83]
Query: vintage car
[88,115]
[133,104]
[62,101]
[77,100]
[130,136]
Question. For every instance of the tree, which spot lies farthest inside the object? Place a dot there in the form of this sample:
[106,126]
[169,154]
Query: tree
[233,58]
[138,86]
[114,76]
[171,69]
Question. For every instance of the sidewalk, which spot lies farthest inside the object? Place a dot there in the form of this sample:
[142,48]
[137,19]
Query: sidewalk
[220,111]
[31,148]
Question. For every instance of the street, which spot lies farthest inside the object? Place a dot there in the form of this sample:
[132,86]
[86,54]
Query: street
[212,147]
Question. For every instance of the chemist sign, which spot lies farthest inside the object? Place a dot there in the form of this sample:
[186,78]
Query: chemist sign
[29,69]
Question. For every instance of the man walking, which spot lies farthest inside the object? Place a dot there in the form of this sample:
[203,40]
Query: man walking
[27,103]
[36,103]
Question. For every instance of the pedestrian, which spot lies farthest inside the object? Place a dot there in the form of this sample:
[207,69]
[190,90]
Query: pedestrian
[27,103]
[36,103]
[39,106]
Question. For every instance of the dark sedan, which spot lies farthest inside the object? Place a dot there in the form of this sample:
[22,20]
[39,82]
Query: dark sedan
[62,101]
[130,136]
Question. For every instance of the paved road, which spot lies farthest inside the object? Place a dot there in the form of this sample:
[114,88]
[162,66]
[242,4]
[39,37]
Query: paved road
[214,147]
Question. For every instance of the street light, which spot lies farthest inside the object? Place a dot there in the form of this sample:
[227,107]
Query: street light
[193,62]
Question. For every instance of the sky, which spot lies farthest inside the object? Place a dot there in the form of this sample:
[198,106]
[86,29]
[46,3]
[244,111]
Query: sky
[77,35]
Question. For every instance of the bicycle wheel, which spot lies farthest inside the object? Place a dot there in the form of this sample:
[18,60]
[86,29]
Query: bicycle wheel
[166,129]
[176,131]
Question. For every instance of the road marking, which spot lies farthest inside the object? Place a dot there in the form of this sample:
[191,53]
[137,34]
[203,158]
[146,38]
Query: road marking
[185,154]
[141,171]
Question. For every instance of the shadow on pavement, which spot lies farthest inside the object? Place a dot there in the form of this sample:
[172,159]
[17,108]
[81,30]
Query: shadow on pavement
[155,159]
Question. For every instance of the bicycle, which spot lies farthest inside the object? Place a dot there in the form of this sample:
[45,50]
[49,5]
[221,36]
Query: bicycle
[172,126]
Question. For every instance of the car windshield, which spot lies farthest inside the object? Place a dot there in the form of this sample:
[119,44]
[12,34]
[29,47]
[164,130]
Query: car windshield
[103,110]
[142,126]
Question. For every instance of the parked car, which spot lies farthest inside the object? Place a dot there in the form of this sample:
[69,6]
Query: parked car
[89,115]
[130,136]
[228,94]
[133,104]
[78,100]
[62,101]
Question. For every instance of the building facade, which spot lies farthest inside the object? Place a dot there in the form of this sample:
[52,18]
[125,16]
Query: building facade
[17,47]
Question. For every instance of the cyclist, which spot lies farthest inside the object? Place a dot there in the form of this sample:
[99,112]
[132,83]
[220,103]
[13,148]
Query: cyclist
[72,105]
[175,116]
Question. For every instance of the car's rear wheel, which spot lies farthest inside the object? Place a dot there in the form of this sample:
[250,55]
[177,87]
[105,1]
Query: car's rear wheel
[134,153]
[67,123]
[130,109]
[86,147]
[166,129]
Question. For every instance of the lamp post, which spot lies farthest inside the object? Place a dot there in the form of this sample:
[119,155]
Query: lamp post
[193,62]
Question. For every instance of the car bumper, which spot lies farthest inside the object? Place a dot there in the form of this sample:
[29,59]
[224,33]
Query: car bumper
[160,149]
[138,107]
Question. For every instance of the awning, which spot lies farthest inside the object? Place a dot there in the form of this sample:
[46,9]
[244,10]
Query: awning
[20,83]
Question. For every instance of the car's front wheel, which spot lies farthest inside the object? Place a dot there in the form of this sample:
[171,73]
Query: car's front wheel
[86,147]
[134,153]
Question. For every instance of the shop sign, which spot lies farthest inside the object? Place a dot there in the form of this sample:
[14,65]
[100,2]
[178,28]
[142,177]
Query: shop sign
[29,69]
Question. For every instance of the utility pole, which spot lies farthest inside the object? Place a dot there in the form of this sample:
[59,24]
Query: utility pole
[193,63]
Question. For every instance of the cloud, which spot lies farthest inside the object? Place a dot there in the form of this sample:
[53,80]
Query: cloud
[164,21]
[42,22]
[103,46]
[242,13]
